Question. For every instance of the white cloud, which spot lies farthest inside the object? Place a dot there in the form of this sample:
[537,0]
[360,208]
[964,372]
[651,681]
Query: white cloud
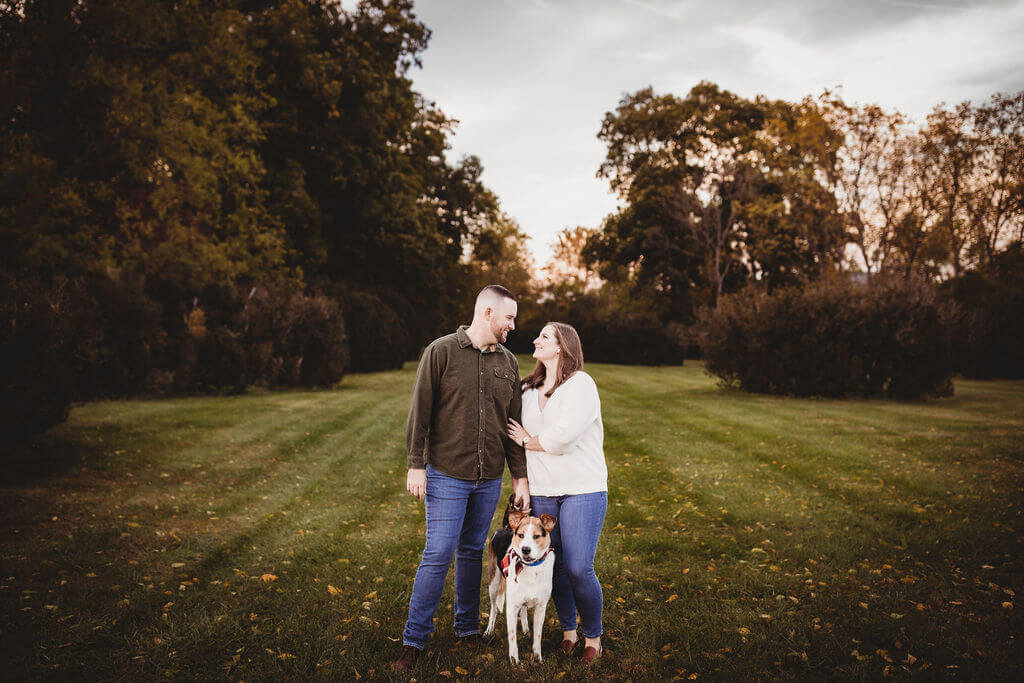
[911,66]
[531,81]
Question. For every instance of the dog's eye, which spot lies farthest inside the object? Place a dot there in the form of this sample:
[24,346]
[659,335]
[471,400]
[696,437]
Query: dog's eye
[536,536]
[519,535]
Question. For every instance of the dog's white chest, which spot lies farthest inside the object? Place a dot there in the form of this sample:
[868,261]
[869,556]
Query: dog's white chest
[533,584]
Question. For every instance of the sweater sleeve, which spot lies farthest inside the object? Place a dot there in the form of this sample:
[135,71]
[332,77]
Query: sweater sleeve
[577,409]
[421,409]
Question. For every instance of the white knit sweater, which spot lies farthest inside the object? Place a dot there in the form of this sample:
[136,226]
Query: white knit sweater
[570,430]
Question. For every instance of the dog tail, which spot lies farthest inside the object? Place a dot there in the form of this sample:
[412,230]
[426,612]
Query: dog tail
[492,563]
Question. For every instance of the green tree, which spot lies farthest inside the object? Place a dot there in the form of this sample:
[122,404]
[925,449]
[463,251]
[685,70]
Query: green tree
[717,189]
[500,255]
[356,158]
[792,229]
[130,144]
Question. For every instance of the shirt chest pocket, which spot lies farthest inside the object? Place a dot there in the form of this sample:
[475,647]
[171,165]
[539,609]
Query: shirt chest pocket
[503,383]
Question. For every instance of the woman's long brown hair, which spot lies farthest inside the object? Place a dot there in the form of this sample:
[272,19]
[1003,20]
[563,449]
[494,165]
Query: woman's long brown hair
[569,361]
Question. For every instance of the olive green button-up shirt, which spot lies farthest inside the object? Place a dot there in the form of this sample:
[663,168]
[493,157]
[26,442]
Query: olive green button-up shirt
[461,403]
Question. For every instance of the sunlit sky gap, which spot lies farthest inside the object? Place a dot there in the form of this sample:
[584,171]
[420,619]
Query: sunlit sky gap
[530,80]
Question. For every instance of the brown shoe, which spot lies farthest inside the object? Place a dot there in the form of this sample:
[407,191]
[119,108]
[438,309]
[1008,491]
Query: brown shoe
[568,646]
[407,659]
[591,653]
[472,640]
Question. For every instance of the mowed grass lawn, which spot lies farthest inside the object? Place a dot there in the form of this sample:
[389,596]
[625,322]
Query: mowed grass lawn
[269,536]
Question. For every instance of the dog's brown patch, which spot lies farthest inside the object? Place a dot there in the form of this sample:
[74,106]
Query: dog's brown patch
[515,517]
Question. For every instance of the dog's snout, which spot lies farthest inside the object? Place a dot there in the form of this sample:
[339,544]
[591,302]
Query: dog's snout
[526,549]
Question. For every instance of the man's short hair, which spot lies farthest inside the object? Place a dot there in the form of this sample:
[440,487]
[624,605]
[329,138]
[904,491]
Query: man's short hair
[496,290]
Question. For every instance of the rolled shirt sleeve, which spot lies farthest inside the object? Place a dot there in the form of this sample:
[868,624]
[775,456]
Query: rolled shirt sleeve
[581,406]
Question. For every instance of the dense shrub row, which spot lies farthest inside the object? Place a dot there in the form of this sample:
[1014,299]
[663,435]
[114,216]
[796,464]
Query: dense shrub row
[65,342]
[39,340]
[834,338]
[990,329]
[611,331]
[380,337]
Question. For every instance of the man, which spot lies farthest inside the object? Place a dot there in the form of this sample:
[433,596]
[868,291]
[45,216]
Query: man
[467,387]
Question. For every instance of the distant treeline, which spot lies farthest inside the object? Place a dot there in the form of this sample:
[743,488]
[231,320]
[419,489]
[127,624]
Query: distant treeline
[199,196]
[203,196]
[724,196]
[719,191]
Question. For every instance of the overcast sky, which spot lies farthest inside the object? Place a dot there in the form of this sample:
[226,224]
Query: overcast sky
[530,80]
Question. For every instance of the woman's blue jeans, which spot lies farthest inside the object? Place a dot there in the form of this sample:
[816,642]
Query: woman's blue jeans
[459,515]
[574,538]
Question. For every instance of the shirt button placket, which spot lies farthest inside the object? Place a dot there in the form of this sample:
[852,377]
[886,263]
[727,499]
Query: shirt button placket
[480,423]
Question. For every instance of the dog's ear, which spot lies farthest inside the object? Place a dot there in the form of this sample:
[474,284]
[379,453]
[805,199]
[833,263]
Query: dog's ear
[514,517]
[548,522]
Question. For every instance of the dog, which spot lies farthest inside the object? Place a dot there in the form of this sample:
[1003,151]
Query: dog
[521,578]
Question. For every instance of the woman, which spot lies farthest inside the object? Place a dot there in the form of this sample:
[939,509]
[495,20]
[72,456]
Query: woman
[564,441]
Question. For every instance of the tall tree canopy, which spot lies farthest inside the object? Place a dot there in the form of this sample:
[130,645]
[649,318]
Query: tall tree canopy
[221,142]
[192,166]
[717,189]
[129,141]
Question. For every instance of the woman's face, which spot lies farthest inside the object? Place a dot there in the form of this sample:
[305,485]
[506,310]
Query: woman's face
[545,346]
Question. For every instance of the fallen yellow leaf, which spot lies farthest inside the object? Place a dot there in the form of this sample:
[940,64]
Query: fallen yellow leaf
[332,590]
[268,577]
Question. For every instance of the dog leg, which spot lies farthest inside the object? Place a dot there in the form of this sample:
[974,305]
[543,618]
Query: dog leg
[510,623]
[523,620]
[497,598]
[538,626]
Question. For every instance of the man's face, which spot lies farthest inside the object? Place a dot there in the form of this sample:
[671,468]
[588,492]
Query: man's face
[503,319]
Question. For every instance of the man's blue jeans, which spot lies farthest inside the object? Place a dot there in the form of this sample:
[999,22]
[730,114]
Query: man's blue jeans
[459,515]
[574,540]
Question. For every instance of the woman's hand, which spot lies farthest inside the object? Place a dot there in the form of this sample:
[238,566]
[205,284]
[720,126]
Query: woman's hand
[516,432]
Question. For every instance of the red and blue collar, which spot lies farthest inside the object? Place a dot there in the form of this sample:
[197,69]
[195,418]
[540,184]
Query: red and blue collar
[513,559]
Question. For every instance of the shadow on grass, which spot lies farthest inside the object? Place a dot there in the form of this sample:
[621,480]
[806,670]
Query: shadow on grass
[50,454]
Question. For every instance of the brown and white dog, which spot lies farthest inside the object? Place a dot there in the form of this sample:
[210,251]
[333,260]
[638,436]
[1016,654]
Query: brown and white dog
[522,578]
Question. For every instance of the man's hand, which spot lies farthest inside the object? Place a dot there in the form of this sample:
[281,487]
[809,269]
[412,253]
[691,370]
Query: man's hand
[416,483]
[521,488]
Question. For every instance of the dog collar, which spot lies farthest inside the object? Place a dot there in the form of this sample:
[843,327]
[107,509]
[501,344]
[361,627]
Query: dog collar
[539,560]
[513,559]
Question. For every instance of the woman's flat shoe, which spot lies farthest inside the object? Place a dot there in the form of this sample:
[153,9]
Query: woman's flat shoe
[591,653]
[568,645]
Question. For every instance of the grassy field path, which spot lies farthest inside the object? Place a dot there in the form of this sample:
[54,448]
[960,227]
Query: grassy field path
[269,536]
